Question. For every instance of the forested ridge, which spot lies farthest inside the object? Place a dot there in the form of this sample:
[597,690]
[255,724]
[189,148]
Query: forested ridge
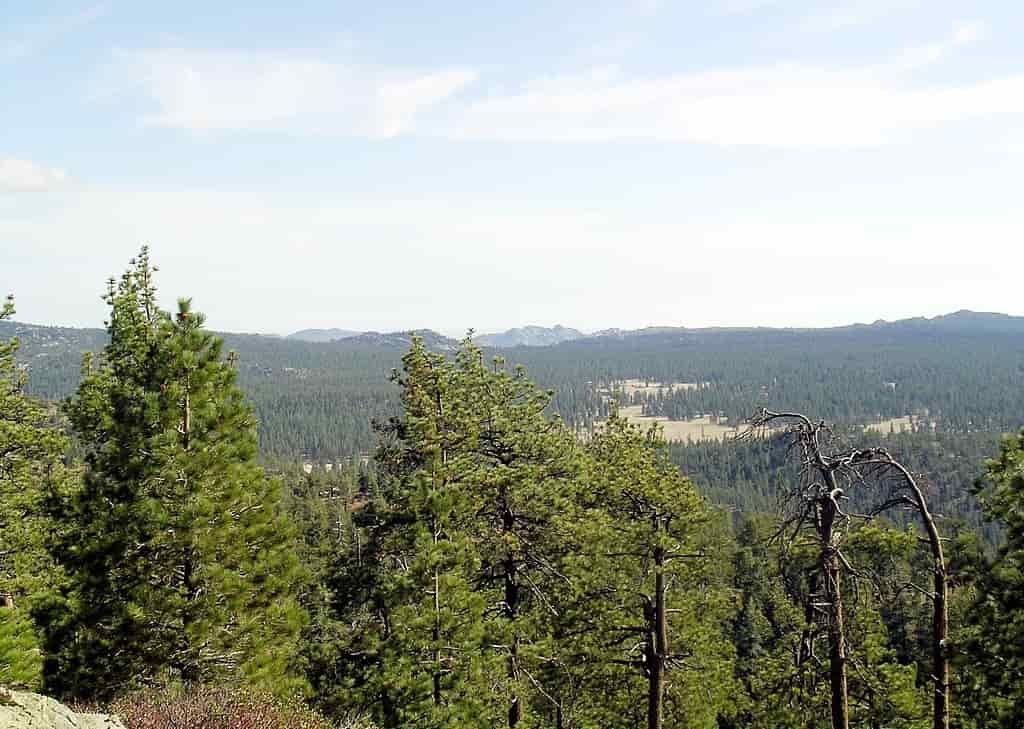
[957,376]
[510,550]
[960,371]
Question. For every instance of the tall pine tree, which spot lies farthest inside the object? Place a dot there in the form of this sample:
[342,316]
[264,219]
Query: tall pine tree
[659,559]
[524,472]
[430,646]
[31,471]
[180,562]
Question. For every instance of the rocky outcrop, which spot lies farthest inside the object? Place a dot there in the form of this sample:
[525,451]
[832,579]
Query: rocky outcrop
[21,710]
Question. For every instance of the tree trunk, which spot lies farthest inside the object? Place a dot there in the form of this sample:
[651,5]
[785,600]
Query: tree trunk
[435,532]
[436,632]
[515,709]
[186,425]
[834,600]
[941,699]
[940,615]
[806,650]
[511,569]
[837,645]
[657,648]
[190,667]
[940,657]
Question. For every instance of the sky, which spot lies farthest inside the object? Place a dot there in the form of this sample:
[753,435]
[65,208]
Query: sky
[396,165]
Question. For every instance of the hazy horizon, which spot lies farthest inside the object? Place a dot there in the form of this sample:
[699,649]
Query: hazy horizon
[743,162]
[455,333]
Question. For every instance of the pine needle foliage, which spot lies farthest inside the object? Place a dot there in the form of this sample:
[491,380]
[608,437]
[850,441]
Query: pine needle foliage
[31,470]
[180,562]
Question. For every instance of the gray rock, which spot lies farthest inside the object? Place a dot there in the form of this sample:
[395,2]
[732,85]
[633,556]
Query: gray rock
[22,710]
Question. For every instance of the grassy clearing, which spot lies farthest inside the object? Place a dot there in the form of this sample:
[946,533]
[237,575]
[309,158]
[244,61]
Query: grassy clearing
[906,424]
[682,431]
[648,387]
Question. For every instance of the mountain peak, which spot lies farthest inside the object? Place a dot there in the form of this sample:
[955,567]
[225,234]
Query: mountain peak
[530,336]
[322,335]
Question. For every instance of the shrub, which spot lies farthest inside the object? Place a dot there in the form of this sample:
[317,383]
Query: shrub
[21,662]
[213,708]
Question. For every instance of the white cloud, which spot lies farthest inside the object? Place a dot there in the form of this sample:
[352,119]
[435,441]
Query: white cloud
[782,106]
[218,90]
[786,105]
[963,35]
[19,175]
[27,40]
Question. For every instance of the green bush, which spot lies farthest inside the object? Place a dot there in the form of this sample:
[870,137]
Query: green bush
[21,662]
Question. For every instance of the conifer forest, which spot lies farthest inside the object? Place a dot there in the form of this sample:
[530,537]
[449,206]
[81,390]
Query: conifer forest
[406,530]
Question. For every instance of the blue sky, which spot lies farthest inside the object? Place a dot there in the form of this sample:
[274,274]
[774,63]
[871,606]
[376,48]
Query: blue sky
[396,165]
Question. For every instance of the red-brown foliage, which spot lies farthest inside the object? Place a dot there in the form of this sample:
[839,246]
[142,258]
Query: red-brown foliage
[209,708]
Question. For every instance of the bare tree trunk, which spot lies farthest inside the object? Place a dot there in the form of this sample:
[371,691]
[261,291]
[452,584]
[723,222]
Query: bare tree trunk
[837,645]
[834,599]
[855,465]
[941,698]
[657,648]
[940,617]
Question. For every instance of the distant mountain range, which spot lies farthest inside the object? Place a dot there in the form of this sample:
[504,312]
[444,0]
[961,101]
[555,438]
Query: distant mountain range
[530,336]
[322,335]
[963,321]
[48,341]
[402,340]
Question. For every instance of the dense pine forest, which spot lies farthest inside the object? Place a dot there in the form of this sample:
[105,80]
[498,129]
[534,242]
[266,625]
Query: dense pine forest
[960,373]
[402,530]
[955,379]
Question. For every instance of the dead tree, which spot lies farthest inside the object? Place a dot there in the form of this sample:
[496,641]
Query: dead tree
[813,504]
[828,472]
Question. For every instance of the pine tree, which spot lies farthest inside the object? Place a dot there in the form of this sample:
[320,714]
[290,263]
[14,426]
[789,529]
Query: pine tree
[180,561]
[465,547]
[663,559]
[991,646]
[31,448]
[525,470]
[418,625]
[766,633]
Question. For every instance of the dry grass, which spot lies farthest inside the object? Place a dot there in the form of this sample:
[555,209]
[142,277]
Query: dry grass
[892,425]
[648,387]
[682,431]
